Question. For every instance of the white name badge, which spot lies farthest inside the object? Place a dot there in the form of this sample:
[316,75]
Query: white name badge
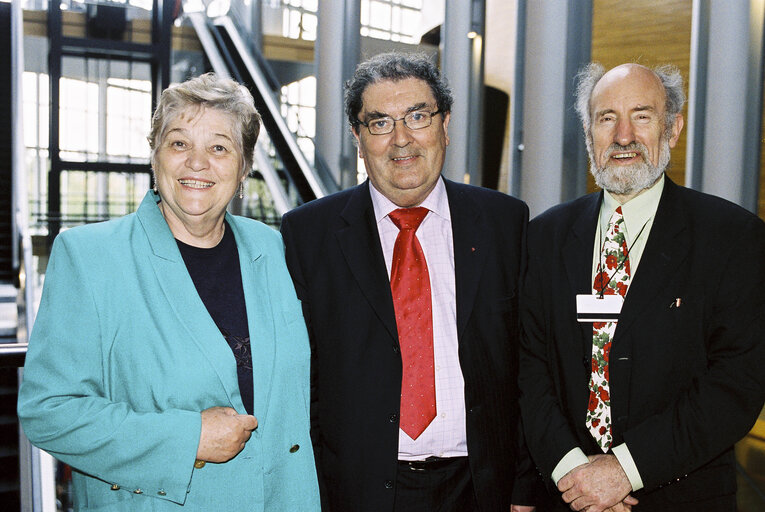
[597,308]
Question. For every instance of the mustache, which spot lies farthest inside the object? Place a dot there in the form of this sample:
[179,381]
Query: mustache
[632,146]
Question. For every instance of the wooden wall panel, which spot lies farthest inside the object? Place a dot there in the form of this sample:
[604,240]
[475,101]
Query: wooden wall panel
[649,32]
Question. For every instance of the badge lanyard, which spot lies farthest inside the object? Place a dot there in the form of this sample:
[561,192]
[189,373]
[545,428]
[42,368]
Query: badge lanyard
[600,255]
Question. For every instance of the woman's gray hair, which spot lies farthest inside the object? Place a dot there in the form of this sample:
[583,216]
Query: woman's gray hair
[209,91]
[669,76]
[395,66]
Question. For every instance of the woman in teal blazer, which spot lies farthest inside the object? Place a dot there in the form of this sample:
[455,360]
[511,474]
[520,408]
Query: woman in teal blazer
[132,376]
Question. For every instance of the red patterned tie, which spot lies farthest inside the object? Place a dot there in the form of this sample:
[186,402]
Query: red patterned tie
[410,286]
[612,278]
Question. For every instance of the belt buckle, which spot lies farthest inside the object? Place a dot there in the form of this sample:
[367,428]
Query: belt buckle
[417,465]
[422,465]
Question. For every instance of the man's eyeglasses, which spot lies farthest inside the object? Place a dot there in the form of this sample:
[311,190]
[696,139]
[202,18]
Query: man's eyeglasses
[416,120]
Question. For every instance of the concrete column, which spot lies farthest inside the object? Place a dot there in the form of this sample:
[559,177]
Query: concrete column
[462,64]
[725,99]
[548,158]
[337,54]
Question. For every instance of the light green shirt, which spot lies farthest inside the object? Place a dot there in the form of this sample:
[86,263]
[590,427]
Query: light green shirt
[639,213]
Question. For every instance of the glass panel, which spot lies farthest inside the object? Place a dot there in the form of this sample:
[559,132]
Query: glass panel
[395,20]
[294,27]
[379,34]
[308,91]
[380,15]
[310,24]
[78,118]
[285,23]
[292,119]
[43,104]
[97,196]
[105,110]
[128,117]
[37,187]
[307,121]
[410,23]
[306,145]
[364,13]
[31,97]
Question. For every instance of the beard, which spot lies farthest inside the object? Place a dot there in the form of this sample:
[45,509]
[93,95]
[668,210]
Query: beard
[633,178]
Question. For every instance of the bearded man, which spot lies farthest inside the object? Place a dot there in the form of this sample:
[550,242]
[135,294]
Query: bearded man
[642,317]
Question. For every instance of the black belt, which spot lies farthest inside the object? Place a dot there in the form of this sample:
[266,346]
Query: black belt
[431,463]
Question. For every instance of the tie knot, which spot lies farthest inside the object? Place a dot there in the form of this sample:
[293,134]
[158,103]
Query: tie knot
[408,218]
[616,217]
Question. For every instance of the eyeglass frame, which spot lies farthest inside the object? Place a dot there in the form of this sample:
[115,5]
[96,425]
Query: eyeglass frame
[393,126]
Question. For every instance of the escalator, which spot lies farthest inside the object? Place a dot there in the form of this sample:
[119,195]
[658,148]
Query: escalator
[290,178]
[6,174]
[12,349]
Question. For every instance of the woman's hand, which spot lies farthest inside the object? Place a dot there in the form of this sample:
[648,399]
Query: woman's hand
[224,433]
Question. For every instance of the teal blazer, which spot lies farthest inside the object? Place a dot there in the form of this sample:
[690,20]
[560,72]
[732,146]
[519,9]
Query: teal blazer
[123,357]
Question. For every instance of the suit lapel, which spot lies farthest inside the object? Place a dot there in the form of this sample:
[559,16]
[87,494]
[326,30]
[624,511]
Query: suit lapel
[577,259]
[359,242]
[470,246]
[258,296]
[183,299]
[666,248]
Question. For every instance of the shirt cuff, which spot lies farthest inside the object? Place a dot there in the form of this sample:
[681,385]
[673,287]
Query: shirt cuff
[572,459]
[624,457]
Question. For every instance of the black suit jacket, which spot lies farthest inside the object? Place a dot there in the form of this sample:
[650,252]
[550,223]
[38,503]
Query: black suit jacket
[336,261]
[686,382]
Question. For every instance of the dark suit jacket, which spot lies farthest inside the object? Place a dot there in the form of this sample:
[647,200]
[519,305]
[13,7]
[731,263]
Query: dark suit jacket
[686,382]
[336,261]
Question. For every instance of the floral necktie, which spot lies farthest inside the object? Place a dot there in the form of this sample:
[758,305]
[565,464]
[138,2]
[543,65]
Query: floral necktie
[612,277]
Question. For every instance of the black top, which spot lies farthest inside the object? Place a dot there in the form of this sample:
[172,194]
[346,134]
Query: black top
[218,280]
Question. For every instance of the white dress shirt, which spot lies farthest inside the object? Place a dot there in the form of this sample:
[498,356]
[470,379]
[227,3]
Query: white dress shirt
[446,435]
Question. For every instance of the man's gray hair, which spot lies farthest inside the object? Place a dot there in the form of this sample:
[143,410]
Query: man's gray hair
[395,66]
[669,76]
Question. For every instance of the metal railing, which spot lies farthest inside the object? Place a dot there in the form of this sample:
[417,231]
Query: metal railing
[22,240]
[290,178]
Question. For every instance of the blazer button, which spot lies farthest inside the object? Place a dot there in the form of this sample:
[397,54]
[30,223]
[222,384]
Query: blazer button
[393,418]
[162,492]
[115,487]
[199,464]
[138,491]
[389,484]
[294,448]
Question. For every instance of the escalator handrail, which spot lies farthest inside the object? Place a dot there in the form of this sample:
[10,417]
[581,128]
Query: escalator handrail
[279,196]
[317,187]
[22,245]
[199,22]
[12,355]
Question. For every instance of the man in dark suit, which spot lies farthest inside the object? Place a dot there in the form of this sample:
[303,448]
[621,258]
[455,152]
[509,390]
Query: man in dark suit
[642,317]
[454,446]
